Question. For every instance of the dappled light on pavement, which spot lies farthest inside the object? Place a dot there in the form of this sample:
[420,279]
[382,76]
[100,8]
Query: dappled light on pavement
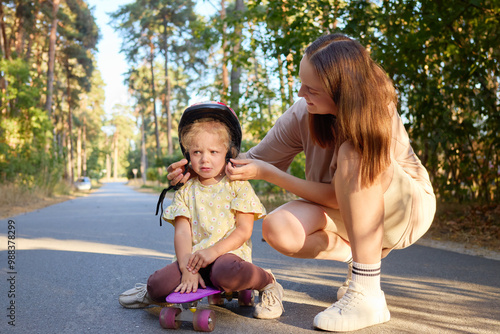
[82,247]
[417,304]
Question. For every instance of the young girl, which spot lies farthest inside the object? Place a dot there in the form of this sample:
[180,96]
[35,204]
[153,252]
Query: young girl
[213,219]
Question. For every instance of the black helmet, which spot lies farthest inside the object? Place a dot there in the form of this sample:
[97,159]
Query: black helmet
[215,110]
[218,111]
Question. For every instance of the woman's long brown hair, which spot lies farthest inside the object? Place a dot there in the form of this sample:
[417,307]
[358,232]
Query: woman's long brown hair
[363,93]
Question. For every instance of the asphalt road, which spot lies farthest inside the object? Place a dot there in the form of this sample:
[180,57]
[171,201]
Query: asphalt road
[70,261]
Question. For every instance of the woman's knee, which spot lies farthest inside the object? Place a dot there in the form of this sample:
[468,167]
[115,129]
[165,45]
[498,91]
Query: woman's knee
[273,225]
[279,233]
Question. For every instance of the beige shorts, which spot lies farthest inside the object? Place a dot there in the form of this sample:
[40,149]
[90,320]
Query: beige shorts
[408,213]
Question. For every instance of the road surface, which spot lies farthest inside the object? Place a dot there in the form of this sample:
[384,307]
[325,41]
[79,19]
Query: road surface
[63,267]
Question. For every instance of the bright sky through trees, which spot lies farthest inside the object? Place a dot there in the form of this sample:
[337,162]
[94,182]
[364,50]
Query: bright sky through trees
[110,61]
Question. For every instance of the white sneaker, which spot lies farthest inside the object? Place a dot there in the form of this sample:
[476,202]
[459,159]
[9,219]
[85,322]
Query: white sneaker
[343,288]
[270,304]
[355,310]
[136,297]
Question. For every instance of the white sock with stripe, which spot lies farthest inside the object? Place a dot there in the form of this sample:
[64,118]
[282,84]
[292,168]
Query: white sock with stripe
[368,275]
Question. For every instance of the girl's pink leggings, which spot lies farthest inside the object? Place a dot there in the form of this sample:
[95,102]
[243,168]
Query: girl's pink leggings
[229,273]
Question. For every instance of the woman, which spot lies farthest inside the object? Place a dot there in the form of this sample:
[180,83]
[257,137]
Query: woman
[365,193]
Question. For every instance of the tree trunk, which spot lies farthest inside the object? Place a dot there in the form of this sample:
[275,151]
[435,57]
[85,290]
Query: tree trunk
[5,41]
[79,153]
[4,44]
[144,160]
[27,55]
[282,82]
[70,130]
[61,134]
[289,67]
[39,16]
[64,141]
[166,102]
[108,167]
[84,146]
[153,92]
[236,70]
[115,155]
[269,99]
[52,56]
[225,73]
[38,60]
[20,36]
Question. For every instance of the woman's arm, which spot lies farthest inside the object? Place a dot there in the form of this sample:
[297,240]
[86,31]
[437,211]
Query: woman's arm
[242,232]
[249,169]
[183,247]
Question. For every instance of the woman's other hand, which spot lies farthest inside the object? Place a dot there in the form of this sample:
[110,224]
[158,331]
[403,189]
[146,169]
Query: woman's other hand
[175,172]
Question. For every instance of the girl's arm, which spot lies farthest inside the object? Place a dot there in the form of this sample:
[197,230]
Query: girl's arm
[250,169]
[183,246]
[242,232]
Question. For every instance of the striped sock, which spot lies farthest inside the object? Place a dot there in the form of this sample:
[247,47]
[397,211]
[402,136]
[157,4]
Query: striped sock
[368,275]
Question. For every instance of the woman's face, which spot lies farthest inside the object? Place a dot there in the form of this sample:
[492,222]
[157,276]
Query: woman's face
[312,90]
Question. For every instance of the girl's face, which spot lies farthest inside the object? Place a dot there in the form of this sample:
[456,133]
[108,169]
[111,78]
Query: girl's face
[208,157]
[312,90]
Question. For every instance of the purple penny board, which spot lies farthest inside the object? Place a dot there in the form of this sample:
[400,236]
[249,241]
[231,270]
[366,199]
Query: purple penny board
[179,298]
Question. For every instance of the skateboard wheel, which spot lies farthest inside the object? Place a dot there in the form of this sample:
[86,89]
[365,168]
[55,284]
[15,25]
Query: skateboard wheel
[167,317]
[215,299]
[204,320]
[246,298]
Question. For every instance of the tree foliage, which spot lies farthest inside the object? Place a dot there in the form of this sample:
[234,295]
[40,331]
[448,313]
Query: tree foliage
[38,142]
[443,58]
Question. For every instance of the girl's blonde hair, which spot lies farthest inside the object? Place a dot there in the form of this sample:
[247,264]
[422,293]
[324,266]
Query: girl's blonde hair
[205,125]
[362,92]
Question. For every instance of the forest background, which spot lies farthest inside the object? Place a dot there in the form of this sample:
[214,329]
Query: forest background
[443,57]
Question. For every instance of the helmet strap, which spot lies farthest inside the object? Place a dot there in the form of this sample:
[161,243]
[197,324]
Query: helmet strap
[175,188]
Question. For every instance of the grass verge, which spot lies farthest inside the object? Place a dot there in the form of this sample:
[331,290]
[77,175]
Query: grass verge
[471,224]
[15,200]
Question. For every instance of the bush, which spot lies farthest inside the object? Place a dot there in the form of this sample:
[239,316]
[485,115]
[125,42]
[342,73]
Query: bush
[152,174]
[170,159]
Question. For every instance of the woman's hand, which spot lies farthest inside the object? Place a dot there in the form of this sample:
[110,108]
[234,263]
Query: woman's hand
[189,283]
[201,259]
[175,172]
[246,169]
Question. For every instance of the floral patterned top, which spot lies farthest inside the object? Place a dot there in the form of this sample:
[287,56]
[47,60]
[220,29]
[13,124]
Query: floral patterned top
[211,210]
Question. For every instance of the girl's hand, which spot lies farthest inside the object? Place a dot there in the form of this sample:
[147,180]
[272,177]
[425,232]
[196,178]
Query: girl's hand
[189,283]
[245,169]
[201,259]
[175,172]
